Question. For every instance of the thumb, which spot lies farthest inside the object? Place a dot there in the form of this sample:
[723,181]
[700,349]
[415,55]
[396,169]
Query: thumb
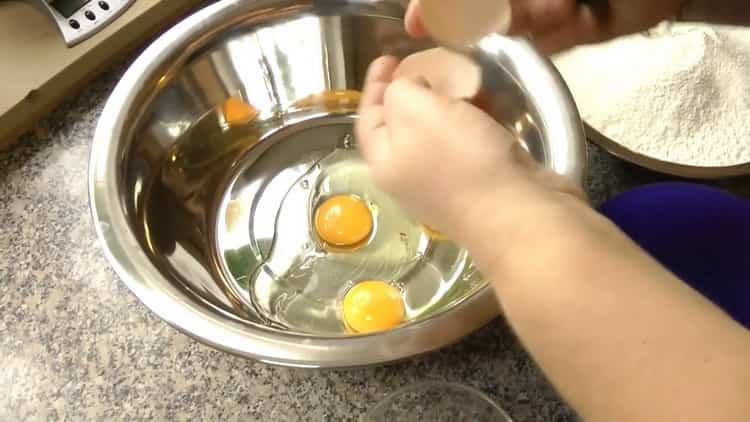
[413,20]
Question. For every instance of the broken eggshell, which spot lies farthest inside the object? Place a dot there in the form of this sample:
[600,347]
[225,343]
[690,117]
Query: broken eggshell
[448,73]
[460,23]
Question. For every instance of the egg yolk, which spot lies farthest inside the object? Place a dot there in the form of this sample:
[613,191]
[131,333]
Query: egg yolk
[372,306]
[338,100]
[237,112]
[433,233]
[343,221]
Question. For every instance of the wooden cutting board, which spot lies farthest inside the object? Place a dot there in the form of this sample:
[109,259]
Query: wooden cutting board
[38,71]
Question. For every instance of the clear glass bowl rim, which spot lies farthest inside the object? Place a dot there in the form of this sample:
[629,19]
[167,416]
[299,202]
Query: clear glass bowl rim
[438,385]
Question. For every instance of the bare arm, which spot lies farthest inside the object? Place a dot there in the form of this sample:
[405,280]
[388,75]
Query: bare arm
[618,335]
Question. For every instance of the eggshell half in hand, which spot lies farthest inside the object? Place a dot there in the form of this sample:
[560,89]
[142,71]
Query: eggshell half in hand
[458,23]
[448,73]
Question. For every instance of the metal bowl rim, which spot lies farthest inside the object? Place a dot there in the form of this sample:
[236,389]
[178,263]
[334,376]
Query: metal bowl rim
[135,269]
[666,167]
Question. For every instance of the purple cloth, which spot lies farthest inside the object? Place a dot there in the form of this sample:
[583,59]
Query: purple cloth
[700,233]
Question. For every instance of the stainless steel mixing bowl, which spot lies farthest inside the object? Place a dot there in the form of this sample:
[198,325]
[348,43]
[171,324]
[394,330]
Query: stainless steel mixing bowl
[156,197]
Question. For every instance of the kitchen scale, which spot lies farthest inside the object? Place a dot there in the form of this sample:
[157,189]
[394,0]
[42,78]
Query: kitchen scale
[52,48]
[80,19]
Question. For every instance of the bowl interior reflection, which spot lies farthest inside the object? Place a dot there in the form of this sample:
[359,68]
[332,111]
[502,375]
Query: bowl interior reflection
[298,81]
[207,132]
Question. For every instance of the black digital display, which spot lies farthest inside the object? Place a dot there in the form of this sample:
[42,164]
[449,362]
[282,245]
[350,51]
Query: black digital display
[68,7]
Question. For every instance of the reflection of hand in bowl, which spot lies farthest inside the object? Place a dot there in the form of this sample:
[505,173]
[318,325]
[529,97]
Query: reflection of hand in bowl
[699,233]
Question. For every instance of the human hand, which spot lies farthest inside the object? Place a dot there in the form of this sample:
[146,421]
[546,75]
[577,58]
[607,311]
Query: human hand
[450,164]
[556,25]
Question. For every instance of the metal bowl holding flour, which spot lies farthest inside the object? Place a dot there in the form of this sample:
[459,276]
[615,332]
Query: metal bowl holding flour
[236,113]
[672,100]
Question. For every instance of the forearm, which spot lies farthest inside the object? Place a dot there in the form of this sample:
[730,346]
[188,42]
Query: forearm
[619,336]
[728,12]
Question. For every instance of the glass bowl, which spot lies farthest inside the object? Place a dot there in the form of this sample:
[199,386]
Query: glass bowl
[435,402]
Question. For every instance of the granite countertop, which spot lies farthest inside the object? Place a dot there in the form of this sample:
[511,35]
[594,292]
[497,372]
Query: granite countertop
[77,345]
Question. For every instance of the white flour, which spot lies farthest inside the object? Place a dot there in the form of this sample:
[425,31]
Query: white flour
[682,97]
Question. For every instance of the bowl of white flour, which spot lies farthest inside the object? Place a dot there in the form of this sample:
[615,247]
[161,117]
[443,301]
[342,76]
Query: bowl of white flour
[676,100]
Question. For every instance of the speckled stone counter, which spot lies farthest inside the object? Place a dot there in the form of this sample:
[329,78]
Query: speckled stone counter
[76,344]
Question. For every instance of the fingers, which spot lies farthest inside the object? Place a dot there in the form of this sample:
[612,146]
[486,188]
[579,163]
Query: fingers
[372,134]
[373,138]
[583,28]
[379,75]
[535,16]
[413,20]
[555,24]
